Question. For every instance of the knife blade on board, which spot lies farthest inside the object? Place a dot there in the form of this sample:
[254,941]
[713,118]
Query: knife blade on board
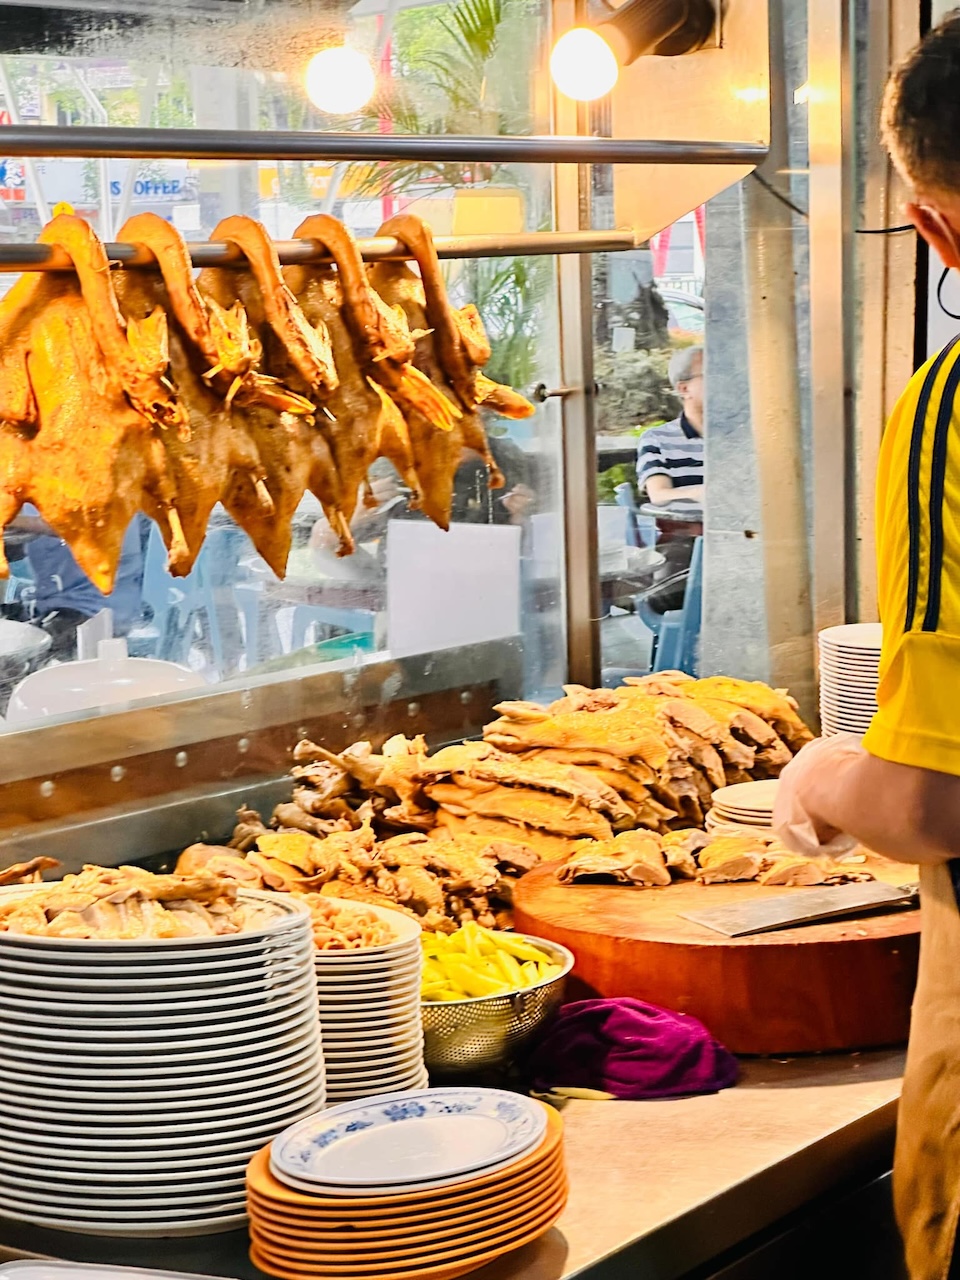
[805,906]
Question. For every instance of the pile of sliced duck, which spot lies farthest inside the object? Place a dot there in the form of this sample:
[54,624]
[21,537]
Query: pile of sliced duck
[663,743]
[248,385]
[609,782]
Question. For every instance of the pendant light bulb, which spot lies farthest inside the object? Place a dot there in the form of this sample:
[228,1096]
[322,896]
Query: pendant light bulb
[583,65]
[340,80]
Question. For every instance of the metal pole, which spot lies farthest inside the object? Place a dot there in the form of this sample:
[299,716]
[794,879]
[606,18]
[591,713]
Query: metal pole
[253,144]
[829,230]
[33,176]
[148,100]
[41,257]
[573,210]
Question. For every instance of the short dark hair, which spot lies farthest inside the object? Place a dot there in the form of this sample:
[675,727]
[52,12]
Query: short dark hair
[921,109]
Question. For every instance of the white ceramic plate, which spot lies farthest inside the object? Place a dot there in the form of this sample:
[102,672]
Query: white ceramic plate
[393,1052]
[748,795]
[145,1228]
[173,1109]
[124,971]
[211,1160]
[373,1083]
[134,1015]
[281,912]
[163,1038]
[70,1198]
[414,1137]
[294,1048]
[854,635]
[106,1127]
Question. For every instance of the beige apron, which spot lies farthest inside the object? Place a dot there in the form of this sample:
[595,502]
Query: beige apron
[927,1166]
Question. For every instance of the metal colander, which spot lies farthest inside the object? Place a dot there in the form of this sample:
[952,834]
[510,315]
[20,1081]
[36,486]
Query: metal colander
[486,1031]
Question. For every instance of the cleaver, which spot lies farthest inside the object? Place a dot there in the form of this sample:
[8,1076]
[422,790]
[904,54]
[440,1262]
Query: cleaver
[806,906]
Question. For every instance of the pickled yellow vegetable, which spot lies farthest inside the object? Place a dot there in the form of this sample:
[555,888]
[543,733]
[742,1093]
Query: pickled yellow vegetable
[476,962]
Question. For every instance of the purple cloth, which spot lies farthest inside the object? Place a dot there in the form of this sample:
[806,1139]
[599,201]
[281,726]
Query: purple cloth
[632,1050]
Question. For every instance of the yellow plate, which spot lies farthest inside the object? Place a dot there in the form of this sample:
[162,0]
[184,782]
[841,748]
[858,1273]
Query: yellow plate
[289,1268]
[407,1215]
[463,1230]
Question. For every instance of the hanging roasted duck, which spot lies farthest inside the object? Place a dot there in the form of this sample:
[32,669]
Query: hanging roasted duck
[213,362]
[88,451]
[295,450]
[370,342]
[462,345]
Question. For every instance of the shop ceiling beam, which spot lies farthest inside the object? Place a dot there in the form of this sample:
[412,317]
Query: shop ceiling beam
[41,257]
[99,142]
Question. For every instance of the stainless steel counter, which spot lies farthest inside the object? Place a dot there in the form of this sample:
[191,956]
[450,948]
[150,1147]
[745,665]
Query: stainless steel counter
[656,1187]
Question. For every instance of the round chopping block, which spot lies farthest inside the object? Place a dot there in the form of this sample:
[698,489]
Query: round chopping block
[842,984]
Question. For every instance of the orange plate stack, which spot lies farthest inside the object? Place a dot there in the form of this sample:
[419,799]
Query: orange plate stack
[426,1235]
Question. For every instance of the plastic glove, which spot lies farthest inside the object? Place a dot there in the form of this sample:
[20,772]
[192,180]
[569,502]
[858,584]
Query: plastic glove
[791,821]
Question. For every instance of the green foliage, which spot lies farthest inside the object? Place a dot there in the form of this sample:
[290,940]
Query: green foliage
[462,69]
[510,294]
[607,481]
[635,391]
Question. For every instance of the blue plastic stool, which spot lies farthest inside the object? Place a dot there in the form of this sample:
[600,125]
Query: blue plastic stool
[677,632]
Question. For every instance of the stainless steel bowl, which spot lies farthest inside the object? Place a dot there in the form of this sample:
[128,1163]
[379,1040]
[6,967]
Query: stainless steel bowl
[487,1031]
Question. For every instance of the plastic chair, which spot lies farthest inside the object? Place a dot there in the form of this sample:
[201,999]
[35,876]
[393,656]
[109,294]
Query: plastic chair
[178,603]
[351,621]
[676,632]
[641,530]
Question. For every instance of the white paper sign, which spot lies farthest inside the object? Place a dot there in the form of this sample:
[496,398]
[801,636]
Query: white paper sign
[451,589]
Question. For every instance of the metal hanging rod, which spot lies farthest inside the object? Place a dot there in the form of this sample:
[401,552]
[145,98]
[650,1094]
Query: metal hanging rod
[42,257]
[102,142]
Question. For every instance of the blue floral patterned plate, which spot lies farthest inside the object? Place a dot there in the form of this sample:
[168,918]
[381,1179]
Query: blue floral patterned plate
[399,1139]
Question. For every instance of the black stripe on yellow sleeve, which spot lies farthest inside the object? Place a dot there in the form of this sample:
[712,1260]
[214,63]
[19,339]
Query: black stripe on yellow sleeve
[914,515]
[938,472]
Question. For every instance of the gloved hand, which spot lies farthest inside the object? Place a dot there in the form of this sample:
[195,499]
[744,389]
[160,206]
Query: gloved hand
[791,819]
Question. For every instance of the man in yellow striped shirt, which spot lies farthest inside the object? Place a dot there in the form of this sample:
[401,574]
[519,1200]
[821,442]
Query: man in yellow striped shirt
[899,791]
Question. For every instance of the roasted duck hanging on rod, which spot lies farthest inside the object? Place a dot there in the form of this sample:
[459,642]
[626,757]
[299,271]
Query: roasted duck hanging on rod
[247,386]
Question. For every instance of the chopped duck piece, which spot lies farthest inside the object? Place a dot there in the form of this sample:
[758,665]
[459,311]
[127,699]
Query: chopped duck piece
[633,857]
[249,827]
[621,732]
[679,848]
[291,817]
[219,860]
[777,708]
[730,858]
[27,872]
[793,871]
[477,765]
[522,805]
[549,847]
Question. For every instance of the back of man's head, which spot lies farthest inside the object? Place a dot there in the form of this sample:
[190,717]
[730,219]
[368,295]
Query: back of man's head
[921,111]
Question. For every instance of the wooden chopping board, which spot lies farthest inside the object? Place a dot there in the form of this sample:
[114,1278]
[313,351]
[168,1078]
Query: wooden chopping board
[839,985]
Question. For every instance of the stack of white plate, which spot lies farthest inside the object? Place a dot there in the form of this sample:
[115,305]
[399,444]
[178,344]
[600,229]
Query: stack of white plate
[370,1012]
[743,809]
[138,1077]
[849,674]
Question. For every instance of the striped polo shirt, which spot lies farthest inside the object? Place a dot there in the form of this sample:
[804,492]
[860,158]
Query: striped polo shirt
[674,450]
